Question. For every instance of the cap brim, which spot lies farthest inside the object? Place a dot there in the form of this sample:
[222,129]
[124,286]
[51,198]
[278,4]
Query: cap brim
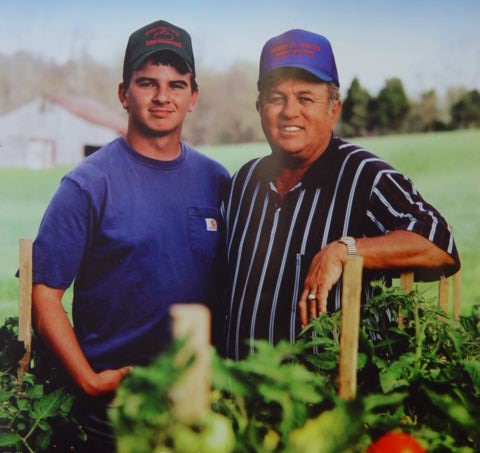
[318,74]
[139,62]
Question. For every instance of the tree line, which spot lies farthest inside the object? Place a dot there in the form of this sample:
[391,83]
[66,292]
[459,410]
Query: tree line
[391,111]
[226,113]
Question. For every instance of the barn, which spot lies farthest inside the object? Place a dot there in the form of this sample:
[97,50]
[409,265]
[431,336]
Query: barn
[56,130]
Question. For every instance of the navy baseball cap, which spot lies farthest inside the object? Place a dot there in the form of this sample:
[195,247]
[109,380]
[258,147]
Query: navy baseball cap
[299,49]
[153,38]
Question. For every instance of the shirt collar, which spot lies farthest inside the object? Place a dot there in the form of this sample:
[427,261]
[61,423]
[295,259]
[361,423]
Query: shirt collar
[268,168]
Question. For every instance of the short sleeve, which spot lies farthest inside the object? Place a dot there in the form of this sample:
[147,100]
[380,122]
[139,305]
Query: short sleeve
[62,237]
[395,204]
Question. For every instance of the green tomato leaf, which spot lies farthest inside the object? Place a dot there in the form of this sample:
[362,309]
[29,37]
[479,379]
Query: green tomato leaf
[4,396]
[9,439]
[399,373]
[378,401]
[23,404]
[42,440]
[451,407]
[472,367]
[35,392]
[48,406]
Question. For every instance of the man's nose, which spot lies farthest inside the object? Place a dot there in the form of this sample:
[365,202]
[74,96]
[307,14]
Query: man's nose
[291,107]
[161,95]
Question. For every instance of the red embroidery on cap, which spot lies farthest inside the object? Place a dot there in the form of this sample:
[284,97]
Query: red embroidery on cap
[280,51]
[300,50]
[163,35]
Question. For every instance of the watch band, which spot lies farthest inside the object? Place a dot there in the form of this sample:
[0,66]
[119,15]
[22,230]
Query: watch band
[350,243]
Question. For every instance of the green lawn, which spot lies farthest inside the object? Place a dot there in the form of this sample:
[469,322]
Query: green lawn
[445,167]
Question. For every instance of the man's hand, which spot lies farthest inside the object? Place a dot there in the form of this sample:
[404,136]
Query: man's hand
[325,270]
[106,381]
[55,328]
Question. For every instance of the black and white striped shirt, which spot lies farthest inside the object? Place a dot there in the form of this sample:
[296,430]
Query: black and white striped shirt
[271,241]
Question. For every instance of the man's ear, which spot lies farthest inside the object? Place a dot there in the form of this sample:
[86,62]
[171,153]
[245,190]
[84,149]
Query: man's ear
[335,113]
[194,99]
[122,95]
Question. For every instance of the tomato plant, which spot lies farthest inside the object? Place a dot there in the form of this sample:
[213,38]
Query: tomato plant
[32,410]
[422,379]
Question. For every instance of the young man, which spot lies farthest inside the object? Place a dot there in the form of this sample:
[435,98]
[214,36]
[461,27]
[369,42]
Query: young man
[293,217]
[134,226]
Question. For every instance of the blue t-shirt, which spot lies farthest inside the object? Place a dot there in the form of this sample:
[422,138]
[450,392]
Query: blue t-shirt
[135,235]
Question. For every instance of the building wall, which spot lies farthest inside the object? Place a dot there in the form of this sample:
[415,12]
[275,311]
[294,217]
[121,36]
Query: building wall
[42,134]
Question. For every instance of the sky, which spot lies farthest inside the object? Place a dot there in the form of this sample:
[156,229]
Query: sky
[428,44]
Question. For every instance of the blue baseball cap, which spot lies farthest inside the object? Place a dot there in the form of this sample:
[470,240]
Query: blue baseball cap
[299,49]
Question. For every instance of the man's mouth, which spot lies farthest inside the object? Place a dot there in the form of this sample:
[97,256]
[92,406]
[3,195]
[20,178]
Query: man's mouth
[160,112]
[290,128]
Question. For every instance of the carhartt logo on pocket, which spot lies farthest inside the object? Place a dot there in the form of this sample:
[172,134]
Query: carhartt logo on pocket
[211,224]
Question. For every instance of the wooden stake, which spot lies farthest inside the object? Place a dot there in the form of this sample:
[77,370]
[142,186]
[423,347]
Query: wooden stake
[406,283]
[25,303]
[351,295]
[443,288]
[457,295]
[191,394]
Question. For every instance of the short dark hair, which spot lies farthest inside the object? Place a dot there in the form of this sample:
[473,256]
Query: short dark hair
[167,58]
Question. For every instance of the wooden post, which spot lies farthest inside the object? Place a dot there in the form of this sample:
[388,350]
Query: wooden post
[25,303]
[191,395]
[457,295]
[351,295]
[443,288]
[406,283]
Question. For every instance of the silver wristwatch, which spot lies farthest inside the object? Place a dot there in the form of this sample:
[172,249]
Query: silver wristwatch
[350,243]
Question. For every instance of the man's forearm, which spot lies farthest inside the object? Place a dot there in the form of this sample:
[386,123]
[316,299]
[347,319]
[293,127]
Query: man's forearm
[56,330]
[394,250]
[401,249]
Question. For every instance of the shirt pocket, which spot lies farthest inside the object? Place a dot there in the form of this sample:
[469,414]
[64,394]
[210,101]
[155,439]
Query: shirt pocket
[203,230]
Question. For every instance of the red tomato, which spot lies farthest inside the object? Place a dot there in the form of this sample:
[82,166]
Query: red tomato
[396,442]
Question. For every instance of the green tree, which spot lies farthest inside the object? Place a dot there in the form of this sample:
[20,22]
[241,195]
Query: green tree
[372,119]
[466,111]
[355,110]
[392,107]
[429,110]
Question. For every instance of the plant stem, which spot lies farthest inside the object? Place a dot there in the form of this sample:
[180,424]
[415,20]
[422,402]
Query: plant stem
[24,440]
[418,334]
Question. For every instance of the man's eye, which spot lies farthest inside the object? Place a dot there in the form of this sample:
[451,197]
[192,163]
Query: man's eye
[178,86]
[305,100]
[275,100]
[145,83]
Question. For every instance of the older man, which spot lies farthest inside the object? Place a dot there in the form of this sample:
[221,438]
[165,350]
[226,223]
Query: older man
[293,217]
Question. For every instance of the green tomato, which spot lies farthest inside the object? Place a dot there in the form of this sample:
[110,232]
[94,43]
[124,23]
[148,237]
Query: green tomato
[217,435]
[185,440]
[271,440]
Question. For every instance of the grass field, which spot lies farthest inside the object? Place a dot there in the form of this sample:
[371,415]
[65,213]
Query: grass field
[445,167]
